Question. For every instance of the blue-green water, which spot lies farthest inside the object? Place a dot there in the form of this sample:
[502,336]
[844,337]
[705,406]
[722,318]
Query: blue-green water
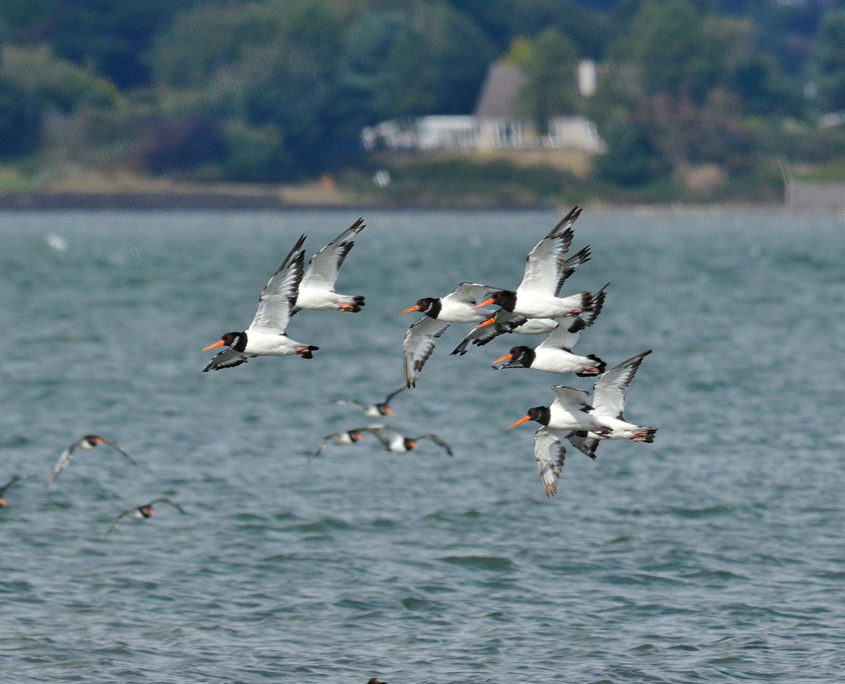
[715,554]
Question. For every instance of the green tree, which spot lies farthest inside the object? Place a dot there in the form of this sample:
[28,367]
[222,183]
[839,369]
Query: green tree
[550,65]
[830,61]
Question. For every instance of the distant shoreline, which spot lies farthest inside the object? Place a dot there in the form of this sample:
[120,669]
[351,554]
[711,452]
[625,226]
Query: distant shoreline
[256,199]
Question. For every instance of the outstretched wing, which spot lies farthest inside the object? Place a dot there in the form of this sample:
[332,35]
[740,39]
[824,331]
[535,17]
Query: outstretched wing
[117,446]
[571,399]
[278,296]
[226,359]
[439,441]
[116,522]
[565,336]
[384,434]
[545,264]
[390,396]
[570,265]
[325,264]
[322,445]
[549,454]
[502,322]
[8,484]
[608,392]
[419,345]
[169,502]
[61,464]
[581,440]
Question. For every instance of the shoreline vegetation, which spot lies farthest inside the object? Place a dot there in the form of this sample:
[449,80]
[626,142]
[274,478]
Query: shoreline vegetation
[421,182]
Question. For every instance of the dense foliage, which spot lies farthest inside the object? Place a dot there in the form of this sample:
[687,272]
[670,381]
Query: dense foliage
[274,90]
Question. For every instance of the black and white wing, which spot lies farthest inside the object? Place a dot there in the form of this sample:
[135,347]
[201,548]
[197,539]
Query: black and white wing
[61,464]
[582,441]
[503,321]
[279,295]
[325,265]
[549,455]
[570,265]
[608,392]
[565,336]
[385,435]
[227,358]
[470,293]
[544,264]
[117,520]
[119,448]
[169,502]
[419,345]
[571,399]
[8,484]
[439,441]
[322,445]
[390,396]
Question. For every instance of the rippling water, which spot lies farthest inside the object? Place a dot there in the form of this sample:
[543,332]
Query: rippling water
[714,554]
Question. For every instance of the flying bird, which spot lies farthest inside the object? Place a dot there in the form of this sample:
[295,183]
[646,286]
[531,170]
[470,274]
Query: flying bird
[266,336]
[399,443]
[346,437]
[545,272]
[87,443]
[316,291]
[143,512]
[5,487]
[459,306]
[569,411]
[554,354]
[377,410]
[608,403]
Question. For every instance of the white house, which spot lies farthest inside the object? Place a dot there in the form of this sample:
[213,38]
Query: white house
[495,125]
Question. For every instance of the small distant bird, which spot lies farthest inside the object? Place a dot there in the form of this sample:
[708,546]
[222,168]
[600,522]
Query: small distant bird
[382,408]
[459,306]
[5,487]
[399,443]
[608,403]
[87,443]
[347,437]
[316,291]
[554,354]
[143,512]
[545,271]
[266,334]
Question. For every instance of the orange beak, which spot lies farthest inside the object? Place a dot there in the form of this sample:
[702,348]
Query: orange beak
[506,357]
[486,302]
[2,502]
[489,321]
[521,420]
[98,440]
[219,343]
[388,410]
[413,308]
[412,443]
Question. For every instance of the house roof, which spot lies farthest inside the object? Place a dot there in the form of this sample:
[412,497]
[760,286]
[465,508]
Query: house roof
[500,93]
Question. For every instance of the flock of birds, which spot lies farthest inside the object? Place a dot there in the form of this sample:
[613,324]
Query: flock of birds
[535,307]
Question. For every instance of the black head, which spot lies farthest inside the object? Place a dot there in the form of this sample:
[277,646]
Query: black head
[146,511]
[384,409]
[430,306]
[409,443]
[539,413]
[522,355]
[504,298]
[355,435]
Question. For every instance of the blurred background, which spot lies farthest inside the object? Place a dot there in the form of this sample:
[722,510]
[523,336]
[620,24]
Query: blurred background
[446,103]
